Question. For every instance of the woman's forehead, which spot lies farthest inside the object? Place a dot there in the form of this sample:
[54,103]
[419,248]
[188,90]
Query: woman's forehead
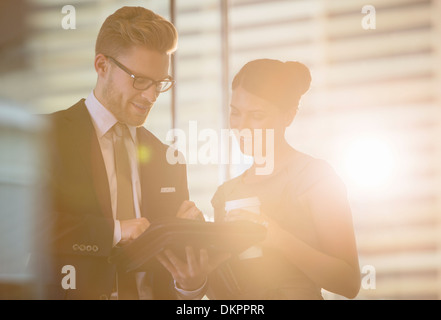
[245,100]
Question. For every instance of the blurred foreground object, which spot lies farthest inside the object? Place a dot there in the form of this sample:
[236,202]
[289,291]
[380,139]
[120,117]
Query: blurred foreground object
[22,202]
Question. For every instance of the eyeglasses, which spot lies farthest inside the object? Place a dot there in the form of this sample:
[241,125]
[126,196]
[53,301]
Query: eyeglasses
[143,83]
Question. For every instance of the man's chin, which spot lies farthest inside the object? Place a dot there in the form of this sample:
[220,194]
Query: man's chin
[134,119]
[137,122]
[137,118]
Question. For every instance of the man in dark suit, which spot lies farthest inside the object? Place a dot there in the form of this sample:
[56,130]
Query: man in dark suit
[101,152]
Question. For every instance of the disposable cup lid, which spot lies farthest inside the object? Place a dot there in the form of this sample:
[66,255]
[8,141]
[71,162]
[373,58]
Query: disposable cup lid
[242,203]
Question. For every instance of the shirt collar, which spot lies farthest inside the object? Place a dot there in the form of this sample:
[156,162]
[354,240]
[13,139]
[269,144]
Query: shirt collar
[103,119]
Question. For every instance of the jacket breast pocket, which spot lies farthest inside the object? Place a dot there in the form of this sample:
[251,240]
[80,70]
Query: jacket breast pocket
[165,202]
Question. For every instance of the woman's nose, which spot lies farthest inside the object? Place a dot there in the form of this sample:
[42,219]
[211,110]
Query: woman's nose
[239,123]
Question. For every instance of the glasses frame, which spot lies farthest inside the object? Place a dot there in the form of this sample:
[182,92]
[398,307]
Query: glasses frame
[154,82]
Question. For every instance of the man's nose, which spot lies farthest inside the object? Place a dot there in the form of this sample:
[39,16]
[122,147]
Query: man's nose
[150,94]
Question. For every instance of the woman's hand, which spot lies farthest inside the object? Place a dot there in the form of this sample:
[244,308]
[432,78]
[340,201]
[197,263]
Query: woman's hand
[273,233]
[188,210]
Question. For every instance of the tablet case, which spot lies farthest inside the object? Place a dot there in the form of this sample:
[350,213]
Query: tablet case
[176,234]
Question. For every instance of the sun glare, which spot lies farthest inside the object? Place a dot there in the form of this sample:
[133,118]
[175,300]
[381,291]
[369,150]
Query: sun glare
[369,163]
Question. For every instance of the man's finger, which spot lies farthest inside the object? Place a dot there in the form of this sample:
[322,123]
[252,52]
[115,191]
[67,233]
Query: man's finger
[166,263]
[203,259]
[144,222]
[177,263]
[191,260]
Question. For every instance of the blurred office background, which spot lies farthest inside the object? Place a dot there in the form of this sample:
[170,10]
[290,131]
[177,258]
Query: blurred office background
[373,111]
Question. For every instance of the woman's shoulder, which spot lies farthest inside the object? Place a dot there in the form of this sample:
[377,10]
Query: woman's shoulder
[304,171]
[301,162]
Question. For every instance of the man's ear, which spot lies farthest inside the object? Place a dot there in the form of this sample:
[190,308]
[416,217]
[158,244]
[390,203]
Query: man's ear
[101,65]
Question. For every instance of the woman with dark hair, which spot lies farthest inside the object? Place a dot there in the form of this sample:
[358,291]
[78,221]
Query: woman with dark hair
[310,242]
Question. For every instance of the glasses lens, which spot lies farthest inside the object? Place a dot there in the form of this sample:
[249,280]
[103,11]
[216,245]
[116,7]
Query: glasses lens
[164,85]
[142,83]
[145,83]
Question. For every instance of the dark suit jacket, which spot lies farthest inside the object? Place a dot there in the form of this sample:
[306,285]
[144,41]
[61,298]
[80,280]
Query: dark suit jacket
[82,219]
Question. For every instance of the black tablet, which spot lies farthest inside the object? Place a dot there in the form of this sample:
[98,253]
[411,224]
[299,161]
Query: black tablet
[176,234]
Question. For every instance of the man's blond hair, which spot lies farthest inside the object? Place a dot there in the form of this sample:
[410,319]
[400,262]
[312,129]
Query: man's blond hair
[135,26]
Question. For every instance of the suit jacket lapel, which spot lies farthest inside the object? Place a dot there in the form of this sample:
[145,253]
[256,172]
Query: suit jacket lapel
[163,186]
[99,175]
[89,151]
[145,172]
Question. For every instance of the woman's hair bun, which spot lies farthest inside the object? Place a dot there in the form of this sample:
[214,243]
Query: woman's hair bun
[299,75]
[282,83]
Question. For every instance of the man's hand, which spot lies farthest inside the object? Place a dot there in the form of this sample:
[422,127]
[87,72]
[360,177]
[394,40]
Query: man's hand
[188,210]
[191,275]
[132,229]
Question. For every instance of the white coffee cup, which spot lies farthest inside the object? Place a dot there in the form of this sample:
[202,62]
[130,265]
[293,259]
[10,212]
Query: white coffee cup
[251,204]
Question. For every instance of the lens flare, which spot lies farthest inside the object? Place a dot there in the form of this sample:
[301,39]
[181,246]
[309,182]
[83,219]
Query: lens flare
[369,163]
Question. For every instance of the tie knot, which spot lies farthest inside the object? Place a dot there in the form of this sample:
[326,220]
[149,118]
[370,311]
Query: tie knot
[120,129]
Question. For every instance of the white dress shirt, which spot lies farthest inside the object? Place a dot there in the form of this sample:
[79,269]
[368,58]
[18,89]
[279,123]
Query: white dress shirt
[103,121]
